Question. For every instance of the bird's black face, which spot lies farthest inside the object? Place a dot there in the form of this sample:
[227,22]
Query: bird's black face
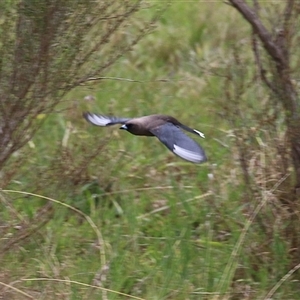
[127,127]
[135,128]
[124,127]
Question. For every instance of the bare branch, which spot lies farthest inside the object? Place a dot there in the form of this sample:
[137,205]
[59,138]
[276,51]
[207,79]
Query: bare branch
[260,30]
[47,50]
[261,70]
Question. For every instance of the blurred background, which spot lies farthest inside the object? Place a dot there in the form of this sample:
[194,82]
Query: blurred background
[96,213]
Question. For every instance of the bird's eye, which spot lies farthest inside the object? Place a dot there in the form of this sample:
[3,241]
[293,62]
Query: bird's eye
[128,125]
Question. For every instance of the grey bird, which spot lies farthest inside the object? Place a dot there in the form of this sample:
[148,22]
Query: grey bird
[166,128]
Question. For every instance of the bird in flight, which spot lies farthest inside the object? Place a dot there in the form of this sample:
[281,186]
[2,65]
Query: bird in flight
[166,128]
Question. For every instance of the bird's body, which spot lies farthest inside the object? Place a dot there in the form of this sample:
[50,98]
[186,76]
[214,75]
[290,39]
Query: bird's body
[165,128]
[144,125]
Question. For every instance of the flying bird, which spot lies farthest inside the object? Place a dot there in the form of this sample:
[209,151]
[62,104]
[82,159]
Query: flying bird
[166,128]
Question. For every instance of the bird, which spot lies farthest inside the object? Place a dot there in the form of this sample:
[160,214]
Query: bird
[166,128]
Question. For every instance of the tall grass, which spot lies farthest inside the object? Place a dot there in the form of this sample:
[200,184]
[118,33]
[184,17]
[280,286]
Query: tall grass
[134,221]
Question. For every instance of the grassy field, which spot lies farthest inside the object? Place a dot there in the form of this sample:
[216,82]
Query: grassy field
[126,218]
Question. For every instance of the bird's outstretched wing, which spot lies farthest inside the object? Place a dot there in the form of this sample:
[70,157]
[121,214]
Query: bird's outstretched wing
[101,120]
[179,143]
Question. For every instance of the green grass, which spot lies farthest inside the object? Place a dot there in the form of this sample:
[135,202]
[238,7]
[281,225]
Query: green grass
[165,230]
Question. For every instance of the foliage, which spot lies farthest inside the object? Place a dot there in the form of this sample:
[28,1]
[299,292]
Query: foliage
[48,48]
[134,219]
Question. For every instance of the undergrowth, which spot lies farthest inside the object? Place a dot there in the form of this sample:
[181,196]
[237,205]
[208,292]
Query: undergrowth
[96,213]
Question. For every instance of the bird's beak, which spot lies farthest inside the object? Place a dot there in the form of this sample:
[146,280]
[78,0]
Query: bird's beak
[124,127]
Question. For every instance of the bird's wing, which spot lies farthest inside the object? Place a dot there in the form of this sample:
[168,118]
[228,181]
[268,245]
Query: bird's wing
[101,120]
[179,143]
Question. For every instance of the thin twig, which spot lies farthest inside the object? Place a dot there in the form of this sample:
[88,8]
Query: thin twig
[281,281]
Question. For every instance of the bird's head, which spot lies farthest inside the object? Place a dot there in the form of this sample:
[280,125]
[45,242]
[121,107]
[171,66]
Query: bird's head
[135,128]
[124,127]
[130,127]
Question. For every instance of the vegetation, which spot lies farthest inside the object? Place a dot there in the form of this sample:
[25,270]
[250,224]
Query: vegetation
[95,213]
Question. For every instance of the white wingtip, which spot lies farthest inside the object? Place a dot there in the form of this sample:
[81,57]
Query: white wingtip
[188,155]
[97,119]
[200,133]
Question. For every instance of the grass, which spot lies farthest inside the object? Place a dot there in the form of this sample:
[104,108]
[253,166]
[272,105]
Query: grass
[134,219]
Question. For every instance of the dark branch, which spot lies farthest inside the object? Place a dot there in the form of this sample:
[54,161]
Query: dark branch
[266,38]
